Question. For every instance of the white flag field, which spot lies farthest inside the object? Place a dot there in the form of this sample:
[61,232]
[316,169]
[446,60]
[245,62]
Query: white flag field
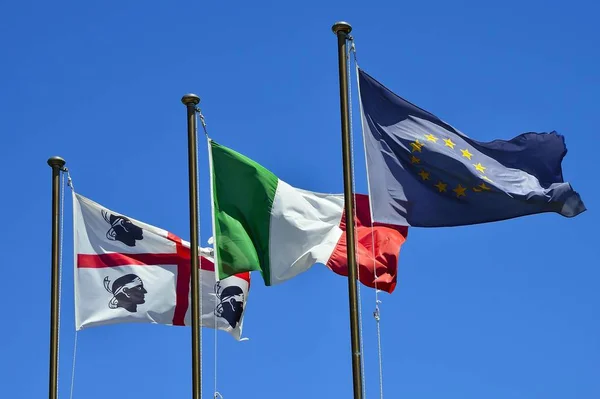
[127,271]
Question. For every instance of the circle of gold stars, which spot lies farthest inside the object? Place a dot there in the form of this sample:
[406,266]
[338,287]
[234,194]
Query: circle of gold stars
[460,191]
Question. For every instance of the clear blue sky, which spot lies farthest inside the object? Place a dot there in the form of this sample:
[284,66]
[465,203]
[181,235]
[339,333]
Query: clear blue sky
[503,310]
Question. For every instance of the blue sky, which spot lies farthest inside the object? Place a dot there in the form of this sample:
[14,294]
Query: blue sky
[502,310]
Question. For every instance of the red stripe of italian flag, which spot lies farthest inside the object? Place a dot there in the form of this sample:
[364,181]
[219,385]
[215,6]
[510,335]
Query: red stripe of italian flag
[262,223]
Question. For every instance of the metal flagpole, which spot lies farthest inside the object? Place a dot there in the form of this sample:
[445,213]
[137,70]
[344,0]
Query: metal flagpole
[342,30]
[191,101]
[57,164]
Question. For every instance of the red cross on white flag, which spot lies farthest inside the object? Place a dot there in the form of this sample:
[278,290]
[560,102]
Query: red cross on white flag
[127,271]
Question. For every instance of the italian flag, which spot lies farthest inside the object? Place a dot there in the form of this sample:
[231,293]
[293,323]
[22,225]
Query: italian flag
[262,223]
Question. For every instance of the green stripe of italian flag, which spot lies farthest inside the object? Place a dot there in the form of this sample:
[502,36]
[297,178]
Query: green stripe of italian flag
[262,223]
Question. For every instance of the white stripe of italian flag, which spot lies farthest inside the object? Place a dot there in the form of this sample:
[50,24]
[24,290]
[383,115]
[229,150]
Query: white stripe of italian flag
[262,223]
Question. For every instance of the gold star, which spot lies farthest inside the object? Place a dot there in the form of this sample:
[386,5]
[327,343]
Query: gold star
[441,186]
[449,143]
[480,167]
[487,178]
[415,160]
[424,175]
[481,188]
[466,154]
[416,146]
[431,137]
[460,191]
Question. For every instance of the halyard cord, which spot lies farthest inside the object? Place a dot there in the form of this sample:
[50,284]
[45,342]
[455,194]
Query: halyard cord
[376,313]
[62,206]
[73,370]
[362,358]
[216,393]
[70,184]
[202,120]
[198,231]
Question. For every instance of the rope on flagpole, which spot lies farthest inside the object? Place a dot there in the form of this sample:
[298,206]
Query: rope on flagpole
[202,120]
[360,319]
[216,393]
[70,184]
[73,369]
[199,241]
[376,313]
[62,208]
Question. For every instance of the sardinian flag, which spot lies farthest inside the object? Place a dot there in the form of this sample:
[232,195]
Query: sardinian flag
[127,271]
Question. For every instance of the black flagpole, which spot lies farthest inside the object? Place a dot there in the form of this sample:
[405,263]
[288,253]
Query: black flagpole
[342,31]
[191,101]
[57,164]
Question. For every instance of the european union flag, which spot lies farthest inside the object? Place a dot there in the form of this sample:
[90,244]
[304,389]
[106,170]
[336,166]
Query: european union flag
[423,172]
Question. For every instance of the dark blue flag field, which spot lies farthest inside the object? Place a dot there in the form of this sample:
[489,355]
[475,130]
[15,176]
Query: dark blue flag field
[423,172]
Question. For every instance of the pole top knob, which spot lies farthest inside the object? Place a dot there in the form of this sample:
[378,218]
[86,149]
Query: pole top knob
[341,26]
[56,162]
[190,99]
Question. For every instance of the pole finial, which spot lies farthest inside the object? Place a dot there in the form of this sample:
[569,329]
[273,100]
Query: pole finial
[190,99]
[341,26]
[56,162]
